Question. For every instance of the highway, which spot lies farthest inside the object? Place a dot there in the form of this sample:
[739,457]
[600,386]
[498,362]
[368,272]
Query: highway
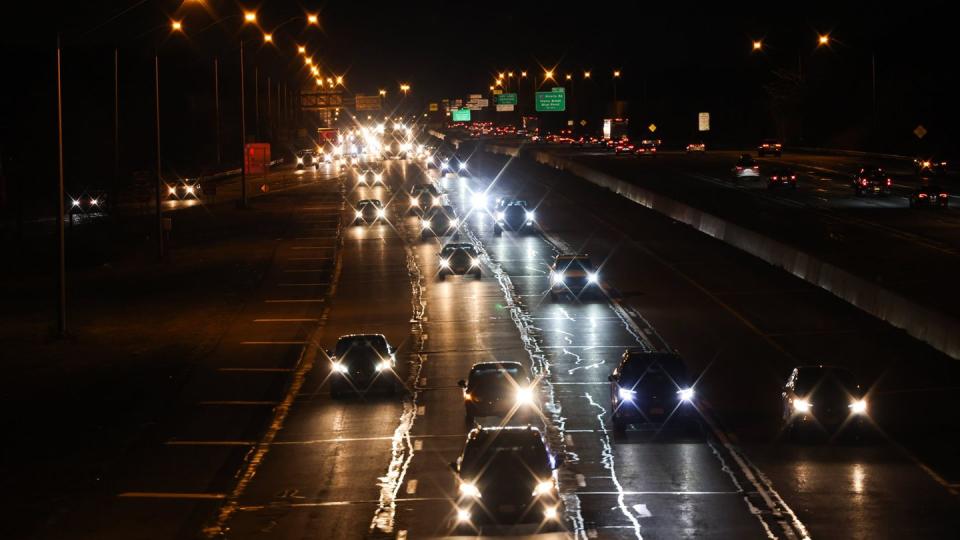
[259,449]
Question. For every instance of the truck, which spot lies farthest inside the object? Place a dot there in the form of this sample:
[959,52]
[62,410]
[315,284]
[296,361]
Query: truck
[615,128]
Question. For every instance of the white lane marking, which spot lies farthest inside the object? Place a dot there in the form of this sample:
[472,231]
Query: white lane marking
[319,284]
[238,403]
[421,410]
[310,258]
[286,320]
[294,301]
[418,445]
[170,495]
[412,487]
[209,443]
[642,511]
[274,342]
[255,370]
[581,480]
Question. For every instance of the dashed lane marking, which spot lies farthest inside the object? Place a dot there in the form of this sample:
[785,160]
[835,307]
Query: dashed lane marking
[295,301]
[286,320]
[412,487]
[170,495]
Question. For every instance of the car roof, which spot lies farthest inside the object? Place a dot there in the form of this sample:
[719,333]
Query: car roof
[375,202]
[480,366]
[463,246]
[360,336]
[506,435]
[572,257]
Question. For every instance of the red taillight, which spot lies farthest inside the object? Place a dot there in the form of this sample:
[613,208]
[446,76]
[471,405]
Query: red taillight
[922,195]
[773,177]
[945,195]
[755,167]
[889,182]
[739,167]
[793,177]
[863,182]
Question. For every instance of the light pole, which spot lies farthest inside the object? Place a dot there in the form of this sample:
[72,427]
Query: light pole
[616,76]
[61,267]
[243,133]
[216,104]
[159,210]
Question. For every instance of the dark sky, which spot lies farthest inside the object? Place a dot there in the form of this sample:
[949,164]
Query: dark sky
[676,60]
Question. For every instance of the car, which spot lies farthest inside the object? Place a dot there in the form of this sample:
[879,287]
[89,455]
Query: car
[746,167]
[927,167]
[369,211]
[646,148]
[501,389]
[506,476]
[823,398]
[460,259]
[929,196]
[363,364]
[439,221]
[696,147]
[770,147]
[512,215]
[424,196]
[873,180]
[573,274]
[782,177]
[651,389]
[624,147]
[91,201]
[184,188]
[306,158]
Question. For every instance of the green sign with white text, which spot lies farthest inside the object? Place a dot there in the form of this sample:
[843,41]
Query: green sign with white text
[506,99]
[551,101]
[461,115]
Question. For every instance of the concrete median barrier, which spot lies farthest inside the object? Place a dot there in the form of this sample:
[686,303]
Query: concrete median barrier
[929,325]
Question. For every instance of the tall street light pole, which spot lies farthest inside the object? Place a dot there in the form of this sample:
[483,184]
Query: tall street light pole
[216,104]
[61,267]
[243,135]
[159,210]
[116,121]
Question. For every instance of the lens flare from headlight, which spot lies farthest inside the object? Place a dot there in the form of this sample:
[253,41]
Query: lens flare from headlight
[524,396]
[414,201]
[463,515]
[339,368]
[445,263]
[474,262]
[859,406]
[557,278]
[384,365]
[378,178]
[543,488]
[500,215]
[550,512]
[467,489]
[801,406]
[358,214]
[626,394]
[478,200]
[454,222]
[529,215]
[425,223]
[592,278]
[686,394]
[381,213]
[463,166]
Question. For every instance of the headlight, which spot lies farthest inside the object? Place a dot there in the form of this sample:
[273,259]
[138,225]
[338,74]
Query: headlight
[299,161]
[479,200]
[435,201]
[550,512]
[94,202]
[474,261]
[339,368]
[445,263]
[467,489]
[463,166]
[500,216]
[859,406]
[382,213]
[171,190]
[378,178]
[190,190]
[358,214]
[425,223]
[801,406]
[557,278]
[383,365]
[543,488]
[454,222]
[524,396]
[592,278]
[463,515]
[529,215]
[626,394]
[686,394]
[75,202]
[414,201]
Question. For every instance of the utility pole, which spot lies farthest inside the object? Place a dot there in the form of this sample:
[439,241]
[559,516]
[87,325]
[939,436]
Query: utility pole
[269,109]
[216,104]
[256,100]
[873,81]
[159,209]
[116,120]
[62,268]
[243,136]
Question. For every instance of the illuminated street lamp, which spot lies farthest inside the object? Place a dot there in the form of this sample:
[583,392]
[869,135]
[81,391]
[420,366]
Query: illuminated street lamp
[586,74]
[509,74]
[308,61]
[301,49]
[500,75]
[312,18]
[250,16]
[824,39]
[319,81]
[314,70]
[616,75]
[757,45]
[340,80]
[268,38]
[176,26]
[523,73]
[548,74]
[404,87]
[568,77]
[383,93]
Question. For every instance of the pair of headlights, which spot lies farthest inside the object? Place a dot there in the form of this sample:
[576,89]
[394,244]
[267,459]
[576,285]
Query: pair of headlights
[500,215]
[382,366]
[445,263]
[627,394]
[558,277]
[381,213]
[470,490]
[803,406]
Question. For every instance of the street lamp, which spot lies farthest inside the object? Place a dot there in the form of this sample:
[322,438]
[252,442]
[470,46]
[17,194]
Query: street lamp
[616,75]
[824,39]
[176,26]
[383,93]
[548,74]
[312,18]
[250,16]
[308,61]
[301,49]
[267,37]
[404,87]
[340,80]
[586,74]
[568,77]
[757,45]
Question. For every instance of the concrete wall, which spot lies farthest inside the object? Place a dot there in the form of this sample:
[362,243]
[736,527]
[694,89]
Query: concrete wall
[933,327]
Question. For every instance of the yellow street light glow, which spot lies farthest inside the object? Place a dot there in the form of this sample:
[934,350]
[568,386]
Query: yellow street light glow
[268,38]
[312,18]
[329,81]
[176,26]
[616,73]
[319,81]
[383,92]
[569,76]
[339,80]
[301,49]
[523,73]
[824,39]
[757,45]
[250,16]
[548,74]
[308,61]
[500,75]
[491,87]
[315,70]
[586,74]
[509,74]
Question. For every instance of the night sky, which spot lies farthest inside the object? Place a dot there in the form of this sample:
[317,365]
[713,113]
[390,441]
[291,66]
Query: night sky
[676,61]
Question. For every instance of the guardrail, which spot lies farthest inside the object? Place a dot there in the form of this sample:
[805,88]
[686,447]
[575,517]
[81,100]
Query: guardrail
[931,326]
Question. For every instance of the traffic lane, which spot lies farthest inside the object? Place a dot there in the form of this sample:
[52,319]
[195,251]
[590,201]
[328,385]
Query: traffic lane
[322,474]
[581,343]
[748,369]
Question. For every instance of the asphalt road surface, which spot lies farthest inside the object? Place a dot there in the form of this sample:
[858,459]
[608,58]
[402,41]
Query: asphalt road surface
[263,451]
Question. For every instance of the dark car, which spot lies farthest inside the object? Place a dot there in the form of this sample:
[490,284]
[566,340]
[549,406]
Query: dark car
[459,259]
[782,177]
[506,476]
[439,221]
[306,158]
[362,364]
[512,215]
[424,196]
[929,196]
[89,202]
[369,211]
[822,398]
[697,147]
[573,274]
[871,180]
[646,148]
[501,389]
[769,147]
[927,167]
[746,166]
[651,389]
